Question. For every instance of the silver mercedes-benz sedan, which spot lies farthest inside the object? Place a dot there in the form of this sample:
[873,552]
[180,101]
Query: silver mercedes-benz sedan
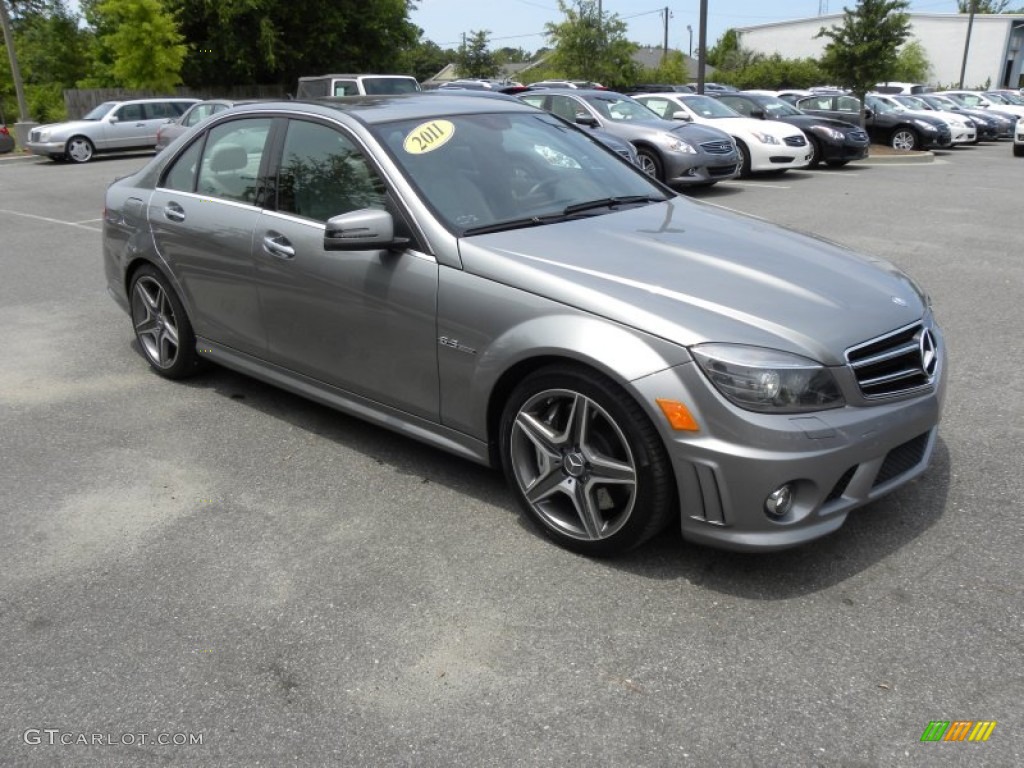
[479,275]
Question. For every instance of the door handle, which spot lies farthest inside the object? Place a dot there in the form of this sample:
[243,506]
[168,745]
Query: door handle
[174,212]
[278,246]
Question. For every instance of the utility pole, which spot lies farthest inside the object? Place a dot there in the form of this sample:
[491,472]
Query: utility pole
[664,46]
[702,41]
[967,42]
[19,88]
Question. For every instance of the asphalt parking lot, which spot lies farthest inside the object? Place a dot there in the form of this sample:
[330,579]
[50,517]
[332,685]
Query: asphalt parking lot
[222,562]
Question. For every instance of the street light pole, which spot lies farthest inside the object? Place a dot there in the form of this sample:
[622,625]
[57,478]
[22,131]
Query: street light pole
[690,30]
[967,42]
[702,41]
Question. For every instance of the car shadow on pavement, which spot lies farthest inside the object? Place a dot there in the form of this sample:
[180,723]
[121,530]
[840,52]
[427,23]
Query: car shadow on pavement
[870,534]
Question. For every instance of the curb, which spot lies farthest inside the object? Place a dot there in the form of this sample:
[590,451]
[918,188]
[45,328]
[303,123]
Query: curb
[904,158]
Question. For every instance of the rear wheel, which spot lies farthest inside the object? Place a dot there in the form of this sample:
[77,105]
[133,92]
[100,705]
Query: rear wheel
[584,461]
[904,139]
[161,326]
[79,149]
[815,154]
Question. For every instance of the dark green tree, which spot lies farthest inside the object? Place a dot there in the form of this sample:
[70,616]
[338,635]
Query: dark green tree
[474,59]
[864,50]
[425,59]
[774,72]
[912,64]
[277,41]
[592,45]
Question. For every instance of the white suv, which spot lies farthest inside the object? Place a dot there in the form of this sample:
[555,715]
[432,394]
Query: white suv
[1018,139]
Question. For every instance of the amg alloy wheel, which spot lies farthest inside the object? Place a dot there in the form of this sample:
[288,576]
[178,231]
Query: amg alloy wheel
[585,461]
[161,325]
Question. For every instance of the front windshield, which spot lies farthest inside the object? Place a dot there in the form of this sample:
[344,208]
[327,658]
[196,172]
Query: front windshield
[941,102]
[880,106]
[621,109]
[709,108]
[1006,98]
[486,172]
[912,103]
[777,107]
[99,112]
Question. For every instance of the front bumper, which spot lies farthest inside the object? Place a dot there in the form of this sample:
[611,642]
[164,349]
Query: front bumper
[835,460]
[696,170]
[46,148]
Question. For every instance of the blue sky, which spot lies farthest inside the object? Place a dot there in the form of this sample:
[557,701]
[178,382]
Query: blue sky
[520,23]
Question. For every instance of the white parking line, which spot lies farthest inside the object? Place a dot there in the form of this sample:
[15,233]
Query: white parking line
[80,225]
[87,221]
[759,184]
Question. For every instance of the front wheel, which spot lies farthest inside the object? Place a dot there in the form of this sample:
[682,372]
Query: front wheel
[650,163]
[836,163]
[744,153]
[79,149]
[161,326]
[1018,150]
[904,139]
[584,461]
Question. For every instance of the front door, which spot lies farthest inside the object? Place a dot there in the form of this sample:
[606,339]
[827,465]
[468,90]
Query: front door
[363,321]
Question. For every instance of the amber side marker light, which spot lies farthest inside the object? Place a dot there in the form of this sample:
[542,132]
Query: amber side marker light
[678,415]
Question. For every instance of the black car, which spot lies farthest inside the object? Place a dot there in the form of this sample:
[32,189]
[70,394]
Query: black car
[834,142]
[656,88]
[992,125]
[885,124]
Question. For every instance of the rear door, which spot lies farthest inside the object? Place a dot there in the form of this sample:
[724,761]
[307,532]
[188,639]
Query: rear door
[202,215]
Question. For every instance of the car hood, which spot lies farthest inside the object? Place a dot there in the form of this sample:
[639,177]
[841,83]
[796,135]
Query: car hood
[690,273]
[69,126]
[809,121]
[774,128]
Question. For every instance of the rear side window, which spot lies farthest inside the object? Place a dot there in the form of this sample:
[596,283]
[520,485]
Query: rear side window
[182,175]
[346,88]
[378,86]
[231,160]
[323,174]
[161,109]
[129,112]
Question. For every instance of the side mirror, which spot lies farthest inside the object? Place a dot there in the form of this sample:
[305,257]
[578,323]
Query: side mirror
[368,229]
[868,113]
[758,114]
[115,119]
[588,120]
[681,115]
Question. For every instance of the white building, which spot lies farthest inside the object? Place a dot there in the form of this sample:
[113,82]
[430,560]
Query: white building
[995,54]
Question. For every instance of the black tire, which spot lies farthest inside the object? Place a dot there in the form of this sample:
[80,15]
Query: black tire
[79,149]
[590,459]
[650,163]
[904,139]
[1018,150]
[815,154]
[744,154]
[836,163]
[162,328]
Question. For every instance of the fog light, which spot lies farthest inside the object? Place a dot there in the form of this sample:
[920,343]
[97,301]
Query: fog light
[779,501]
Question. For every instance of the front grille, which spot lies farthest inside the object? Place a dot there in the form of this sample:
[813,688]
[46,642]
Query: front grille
[796,141]
[901,459]
[858,135]
[899,362]
[33,136]
[723,147]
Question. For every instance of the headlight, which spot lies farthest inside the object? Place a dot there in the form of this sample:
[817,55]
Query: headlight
[768,380]
[673,143]
[765,138]
[44,136]
[924,124]
[832,133]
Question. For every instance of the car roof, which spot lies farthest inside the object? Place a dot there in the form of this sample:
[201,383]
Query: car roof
[408,106]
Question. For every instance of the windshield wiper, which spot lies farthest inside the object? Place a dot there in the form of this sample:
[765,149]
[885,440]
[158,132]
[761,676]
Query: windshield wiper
[566,213]
[610,202]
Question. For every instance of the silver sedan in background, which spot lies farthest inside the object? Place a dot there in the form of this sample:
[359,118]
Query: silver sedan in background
[478,275]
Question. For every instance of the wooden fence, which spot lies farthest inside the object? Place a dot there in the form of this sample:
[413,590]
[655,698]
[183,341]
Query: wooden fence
[79,101]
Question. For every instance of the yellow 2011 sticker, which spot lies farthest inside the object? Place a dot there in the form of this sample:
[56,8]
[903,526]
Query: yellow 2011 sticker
[427,137]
